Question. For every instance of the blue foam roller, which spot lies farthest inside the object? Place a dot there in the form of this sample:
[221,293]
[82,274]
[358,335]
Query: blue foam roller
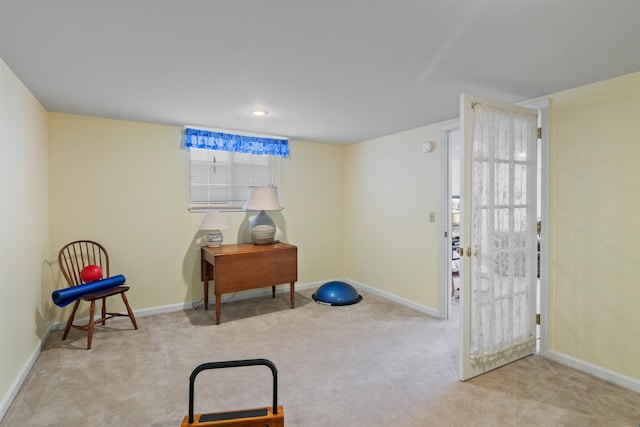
[66,296]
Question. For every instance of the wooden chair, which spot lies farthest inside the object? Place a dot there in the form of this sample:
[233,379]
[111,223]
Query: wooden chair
[74,257]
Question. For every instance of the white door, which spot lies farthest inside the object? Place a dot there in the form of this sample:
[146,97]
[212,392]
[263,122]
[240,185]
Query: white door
[498,234]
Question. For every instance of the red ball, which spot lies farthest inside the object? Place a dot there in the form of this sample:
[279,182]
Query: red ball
[91,273]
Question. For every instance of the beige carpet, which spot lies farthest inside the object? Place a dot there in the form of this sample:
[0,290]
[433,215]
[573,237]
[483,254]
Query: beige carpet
[376,363]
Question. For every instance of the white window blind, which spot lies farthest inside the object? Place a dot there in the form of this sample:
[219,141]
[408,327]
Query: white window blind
[221,179]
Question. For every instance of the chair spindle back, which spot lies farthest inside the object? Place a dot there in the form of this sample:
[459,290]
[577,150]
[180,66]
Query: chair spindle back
[75,256]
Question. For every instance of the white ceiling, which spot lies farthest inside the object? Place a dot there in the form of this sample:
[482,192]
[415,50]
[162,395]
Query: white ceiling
[336,71]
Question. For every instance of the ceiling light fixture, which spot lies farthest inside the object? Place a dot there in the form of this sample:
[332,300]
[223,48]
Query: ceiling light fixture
[259,113]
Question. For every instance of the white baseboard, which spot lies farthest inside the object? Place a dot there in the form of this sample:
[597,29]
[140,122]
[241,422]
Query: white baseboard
[22,375]
[138,313]
[253,293]
[419,307]
[261,292]
[595,370]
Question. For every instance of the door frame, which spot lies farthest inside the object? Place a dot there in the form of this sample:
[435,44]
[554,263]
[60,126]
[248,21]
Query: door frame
[445,223]
[445,204]
[542,106]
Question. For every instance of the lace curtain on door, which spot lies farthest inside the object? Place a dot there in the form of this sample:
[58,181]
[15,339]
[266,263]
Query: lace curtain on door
[503,234]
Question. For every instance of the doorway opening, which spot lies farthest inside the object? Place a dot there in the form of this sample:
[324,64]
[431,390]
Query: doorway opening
[453,154]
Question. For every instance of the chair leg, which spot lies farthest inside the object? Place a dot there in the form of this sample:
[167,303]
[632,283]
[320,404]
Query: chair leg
[131,316]
[70,321]
[90,325]
[104,310]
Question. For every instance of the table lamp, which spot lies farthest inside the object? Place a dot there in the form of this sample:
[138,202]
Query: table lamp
[262,228]
[213,222]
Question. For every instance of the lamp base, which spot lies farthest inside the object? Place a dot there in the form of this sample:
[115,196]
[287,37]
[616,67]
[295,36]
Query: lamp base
[214,239]
[262,229]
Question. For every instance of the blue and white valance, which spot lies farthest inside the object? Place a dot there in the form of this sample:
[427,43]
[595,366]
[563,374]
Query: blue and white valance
[198,138]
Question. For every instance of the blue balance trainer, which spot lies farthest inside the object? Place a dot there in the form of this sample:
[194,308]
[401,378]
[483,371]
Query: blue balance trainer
[337,293]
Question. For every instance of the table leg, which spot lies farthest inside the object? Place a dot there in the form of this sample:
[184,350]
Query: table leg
[205,280]
[273,292]
[206,294]
[218,298]
[293,294]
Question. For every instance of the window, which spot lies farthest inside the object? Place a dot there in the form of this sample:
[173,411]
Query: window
[225,165]
[221,179]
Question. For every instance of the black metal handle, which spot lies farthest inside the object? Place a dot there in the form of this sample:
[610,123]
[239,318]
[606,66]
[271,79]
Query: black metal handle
[233,364]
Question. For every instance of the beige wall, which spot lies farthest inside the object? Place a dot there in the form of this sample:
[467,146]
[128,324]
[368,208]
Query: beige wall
[24,232]
[312,194]
[595,209]
[391,185]
[126,185]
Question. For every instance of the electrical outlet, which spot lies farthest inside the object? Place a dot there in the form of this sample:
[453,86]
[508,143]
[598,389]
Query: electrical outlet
[432,217]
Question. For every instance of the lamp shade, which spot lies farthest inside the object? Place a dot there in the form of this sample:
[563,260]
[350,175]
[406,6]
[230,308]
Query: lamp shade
[213,220]
[263,198]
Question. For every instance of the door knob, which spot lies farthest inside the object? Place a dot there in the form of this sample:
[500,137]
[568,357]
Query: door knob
[475,253]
